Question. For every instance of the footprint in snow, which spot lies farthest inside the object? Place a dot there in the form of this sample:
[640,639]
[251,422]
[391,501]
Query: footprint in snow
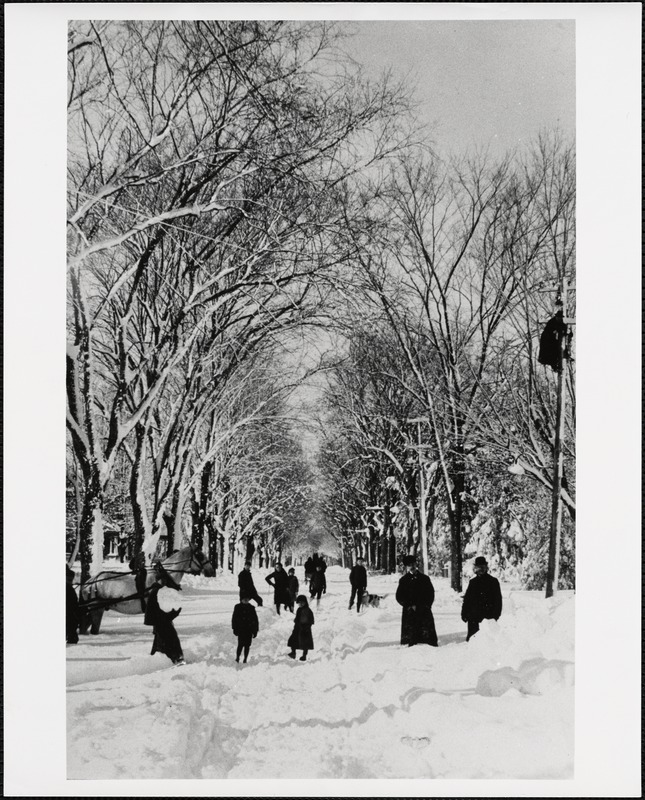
[416,741]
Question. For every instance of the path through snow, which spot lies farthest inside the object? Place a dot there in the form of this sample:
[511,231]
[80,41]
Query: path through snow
[362,706]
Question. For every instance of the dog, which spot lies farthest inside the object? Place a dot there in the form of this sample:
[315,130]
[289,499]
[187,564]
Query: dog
[371,600]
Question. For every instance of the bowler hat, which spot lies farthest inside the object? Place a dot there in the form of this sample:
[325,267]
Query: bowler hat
[408,561]
[480,561]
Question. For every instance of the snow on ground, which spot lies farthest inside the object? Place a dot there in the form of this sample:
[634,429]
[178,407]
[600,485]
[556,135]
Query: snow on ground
[362,706]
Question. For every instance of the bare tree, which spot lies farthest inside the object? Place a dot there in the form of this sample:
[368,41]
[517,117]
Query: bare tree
[448,262]
[516,420]
[200,158]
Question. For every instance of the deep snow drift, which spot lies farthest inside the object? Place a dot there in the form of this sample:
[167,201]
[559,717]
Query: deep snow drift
[362,706]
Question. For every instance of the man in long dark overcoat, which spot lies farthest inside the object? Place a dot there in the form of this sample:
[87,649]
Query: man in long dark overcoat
[483,598]
[247,587]
[416,594]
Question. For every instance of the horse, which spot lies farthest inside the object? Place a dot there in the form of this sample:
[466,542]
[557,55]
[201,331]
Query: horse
[118,590]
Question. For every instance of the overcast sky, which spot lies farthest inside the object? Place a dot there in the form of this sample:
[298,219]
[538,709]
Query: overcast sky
[483,83]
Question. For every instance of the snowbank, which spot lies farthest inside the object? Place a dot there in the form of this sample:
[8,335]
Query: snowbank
[362,706]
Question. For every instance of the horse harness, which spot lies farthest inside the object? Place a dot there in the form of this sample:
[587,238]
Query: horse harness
[89,605]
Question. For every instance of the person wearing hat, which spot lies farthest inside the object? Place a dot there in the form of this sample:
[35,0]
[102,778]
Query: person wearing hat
[247,587]
[166,639]
[72,613]
[483,598]
[415,593]
[301,638]
[358,581]
[245,626]
[294,587]
[318,583]
[280,582]
[309,568]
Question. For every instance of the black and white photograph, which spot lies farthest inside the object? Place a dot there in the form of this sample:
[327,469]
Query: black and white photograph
[303,280]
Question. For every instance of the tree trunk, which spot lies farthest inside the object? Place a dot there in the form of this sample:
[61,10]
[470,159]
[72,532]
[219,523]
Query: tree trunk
[197,530]
[212,544]
[250,548]
[392,554]
[77,544]
[220,552]
[385,538]
[91,526]
[455,515]
[136,499]
[201,505]
[169,521]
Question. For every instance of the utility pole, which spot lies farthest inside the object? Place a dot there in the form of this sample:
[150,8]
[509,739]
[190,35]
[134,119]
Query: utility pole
[423,533]
[553,567]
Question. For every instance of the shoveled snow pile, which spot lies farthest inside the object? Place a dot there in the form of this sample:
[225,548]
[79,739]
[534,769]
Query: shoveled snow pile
[362,706]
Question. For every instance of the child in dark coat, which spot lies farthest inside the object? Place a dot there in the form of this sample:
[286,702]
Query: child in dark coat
[301,638]
[245,626]
[293,586]
[318,583]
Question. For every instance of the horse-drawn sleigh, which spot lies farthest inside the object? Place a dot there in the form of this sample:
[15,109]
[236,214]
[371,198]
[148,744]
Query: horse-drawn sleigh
[119,591]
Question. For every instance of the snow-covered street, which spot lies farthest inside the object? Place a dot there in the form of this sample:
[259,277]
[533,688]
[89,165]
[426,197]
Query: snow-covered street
[362,706]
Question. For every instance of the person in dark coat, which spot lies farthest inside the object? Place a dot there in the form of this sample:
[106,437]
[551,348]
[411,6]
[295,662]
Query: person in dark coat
[415,593]
[550,342]
[72,613]
[294,586]
[318,583]
[247,587]
[280,582]
[483,598]
[121,548]
[301,638]
[138,566]
[245,626]
[166,639]
[358,580]
[309,568]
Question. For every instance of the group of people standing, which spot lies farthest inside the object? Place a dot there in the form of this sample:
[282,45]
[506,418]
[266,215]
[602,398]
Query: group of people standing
[315,568]
[285,586]
[415,593]
[245,621]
